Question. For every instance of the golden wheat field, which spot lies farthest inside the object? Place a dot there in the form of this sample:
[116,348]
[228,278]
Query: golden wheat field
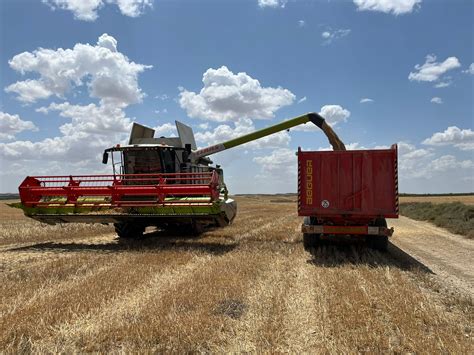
[248,287]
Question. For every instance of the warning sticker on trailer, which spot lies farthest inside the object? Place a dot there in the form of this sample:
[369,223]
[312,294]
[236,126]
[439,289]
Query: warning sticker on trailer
[325,203]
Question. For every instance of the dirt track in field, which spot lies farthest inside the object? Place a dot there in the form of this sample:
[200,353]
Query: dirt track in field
[248,287]
[448,255]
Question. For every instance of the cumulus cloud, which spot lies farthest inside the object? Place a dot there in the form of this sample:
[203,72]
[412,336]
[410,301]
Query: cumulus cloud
[301,23]
[13,124]
[366,100]
[228,97]
[334,114]
[397,7]
[281,165]
[90,119]
[86,10]
[165,130]
[459,138]
[449,162]
[470,70]
[412,161]
[272,3]
[420,163]
[108,74]
[436,100]
[444,84]
[431,70]
[89,128]
[330,35]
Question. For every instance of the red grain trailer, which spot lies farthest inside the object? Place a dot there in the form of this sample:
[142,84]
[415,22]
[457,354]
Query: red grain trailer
[348,192]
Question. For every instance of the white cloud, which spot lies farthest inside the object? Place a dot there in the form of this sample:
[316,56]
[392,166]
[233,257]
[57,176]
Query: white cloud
[366,100]
[412,161]
[279,165]
[459,138]
[109,75]
[436,100]
[444,84]
[29,90]
[470,70]
[13,124]
[90,128]
[133,8]
[204,125]
[418,163]
[86,10]
[162,97]
[228,97]
[333,114]
[165,130]
[90,119]
[330,35]
[301,23]
[449,162]
[397,7]
[431,70]
[303,99]
[272,3]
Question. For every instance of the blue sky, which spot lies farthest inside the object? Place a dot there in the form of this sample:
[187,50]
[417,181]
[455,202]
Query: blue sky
[145,60]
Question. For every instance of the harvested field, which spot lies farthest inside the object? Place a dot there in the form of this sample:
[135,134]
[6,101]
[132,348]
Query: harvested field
[247,287]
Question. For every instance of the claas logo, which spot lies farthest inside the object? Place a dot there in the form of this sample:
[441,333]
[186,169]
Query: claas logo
[309,182]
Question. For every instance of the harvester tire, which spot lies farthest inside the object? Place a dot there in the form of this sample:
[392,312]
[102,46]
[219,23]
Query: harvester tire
[127,230]
[379,242]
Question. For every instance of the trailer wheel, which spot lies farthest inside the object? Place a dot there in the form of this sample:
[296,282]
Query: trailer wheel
[310,241]
[379,242]
[127,230]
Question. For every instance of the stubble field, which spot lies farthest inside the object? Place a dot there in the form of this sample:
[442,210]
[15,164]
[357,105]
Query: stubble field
[247,287]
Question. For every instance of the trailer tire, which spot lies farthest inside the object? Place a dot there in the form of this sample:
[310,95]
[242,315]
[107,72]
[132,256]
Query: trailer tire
[379,242]
[311,241]
[127,230]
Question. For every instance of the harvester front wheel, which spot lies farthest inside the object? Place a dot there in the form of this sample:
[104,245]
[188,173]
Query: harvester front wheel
[127,230]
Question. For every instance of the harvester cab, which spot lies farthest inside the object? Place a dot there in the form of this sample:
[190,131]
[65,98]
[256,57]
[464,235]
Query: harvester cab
[146,154]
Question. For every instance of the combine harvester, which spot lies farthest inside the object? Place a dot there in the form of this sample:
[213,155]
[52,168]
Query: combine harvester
[170,184]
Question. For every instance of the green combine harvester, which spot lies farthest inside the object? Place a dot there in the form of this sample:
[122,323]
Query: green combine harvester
[163,182]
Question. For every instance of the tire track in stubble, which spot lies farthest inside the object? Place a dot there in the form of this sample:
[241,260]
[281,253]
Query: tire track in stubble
[57,302]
